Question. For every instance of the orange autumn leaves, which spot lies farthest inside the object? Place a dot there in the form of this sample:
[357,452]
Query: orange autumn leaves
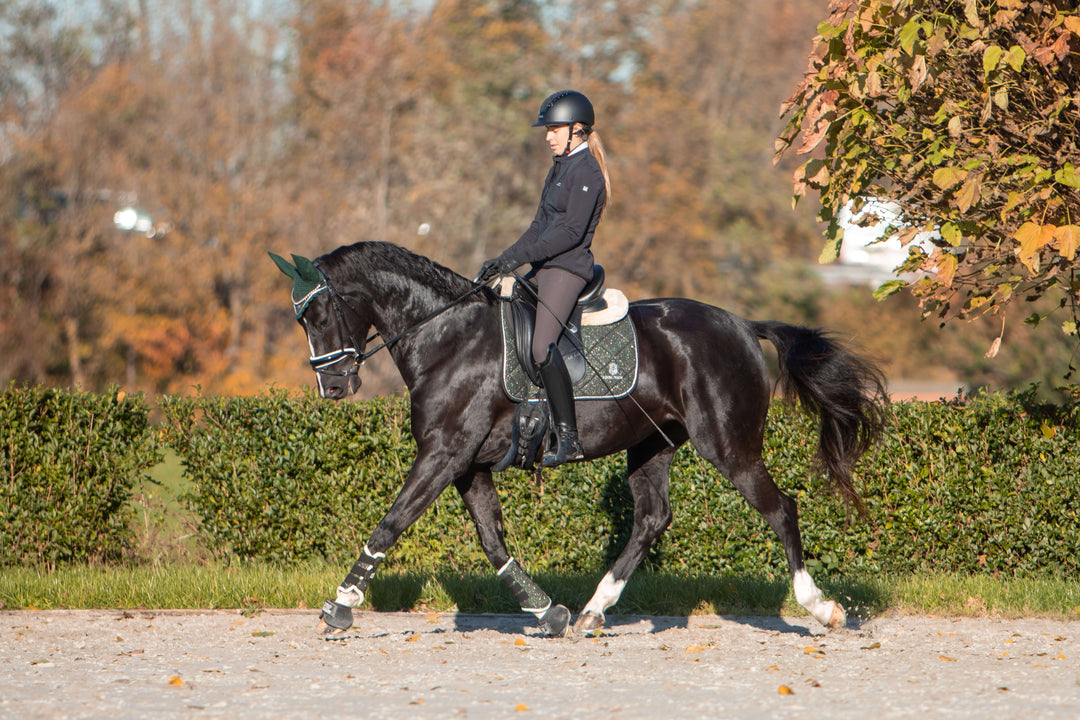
[963,114]
[1033,238]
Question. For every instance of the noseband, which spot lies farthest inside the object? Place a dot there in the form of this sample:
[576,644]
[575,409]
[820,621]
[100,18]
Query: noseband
[323,364]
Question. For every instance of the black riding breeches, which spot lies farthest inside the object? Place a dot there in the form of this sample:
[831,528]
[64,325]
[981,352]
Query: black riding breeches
[558,291]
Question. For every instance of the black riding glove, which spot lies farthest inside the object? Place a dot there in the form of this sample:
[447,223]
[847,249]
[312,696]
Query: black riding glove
[502,265]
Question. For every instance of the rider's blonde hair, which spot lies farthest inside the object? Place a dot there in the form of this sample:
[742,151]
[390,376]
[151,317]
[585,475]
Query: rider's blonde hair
[596,147]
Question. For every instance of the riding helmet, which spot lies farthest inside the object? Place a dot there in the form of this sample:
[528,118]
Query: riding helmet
[565,107]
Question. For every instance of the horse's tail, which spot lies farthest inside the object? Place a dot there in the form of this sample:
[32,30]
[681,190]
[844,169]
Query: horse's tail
[845,391]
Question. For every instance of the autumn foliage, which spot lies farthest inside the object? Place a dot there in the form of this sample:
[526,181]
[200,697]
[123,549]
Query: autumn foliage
[233,128]
[964,113]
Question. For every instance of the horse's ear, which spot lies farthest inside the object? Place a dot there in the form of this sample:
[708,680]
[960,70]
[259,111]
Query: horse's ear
[307,269]
[284,266]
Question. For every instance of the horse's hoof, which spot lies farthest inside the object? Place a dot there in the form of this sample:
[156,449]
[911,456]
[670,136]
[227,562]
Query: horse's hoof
[555,621]
[838,618]
[325,631]
[587,622]
[336,616]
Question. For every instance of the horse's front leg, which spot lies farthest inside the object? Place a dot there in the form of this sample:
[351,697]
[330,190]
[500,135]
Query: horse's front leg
[482,501]
[429,476]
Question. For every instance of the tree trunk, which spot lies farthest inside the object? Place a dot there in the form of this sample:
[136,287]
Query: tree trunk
[71,337]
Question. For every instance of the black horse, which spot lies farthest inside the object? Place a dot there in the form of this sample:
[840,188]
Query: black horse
[702,377]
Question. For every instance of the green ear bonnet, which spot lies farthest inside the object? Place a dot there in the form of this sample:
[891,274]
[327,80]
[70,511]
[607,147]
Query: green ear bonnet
[307,281]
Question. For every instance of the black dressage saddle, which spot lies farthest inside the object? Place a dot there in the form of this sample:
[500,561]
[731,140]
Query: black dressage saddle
[522,307]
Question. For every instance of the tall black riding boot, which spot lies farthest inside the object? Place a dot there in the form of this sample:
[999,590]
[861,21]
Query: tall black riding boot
[560,397]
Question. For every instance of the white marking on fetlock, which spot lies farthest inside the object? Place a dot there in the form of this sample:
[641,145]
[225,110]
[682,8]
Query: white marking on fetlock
[607,594]
[351,596]
[810,597]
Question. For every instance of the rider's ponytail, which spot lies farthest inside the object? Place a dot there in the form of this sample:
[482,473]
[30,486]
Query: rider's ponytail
[596,147]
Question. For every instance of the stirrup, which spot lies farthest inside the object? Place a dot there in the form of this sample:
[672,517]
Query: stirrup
[568,448]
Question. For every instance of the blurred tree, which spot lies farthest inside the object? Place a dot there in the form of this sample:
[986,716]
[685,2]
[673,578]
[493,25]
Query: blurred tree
[41,315]
[215,173]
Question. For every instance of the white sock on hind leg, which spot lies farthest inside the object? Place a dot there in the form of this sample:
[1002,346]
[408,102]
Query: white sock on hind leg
[808,594]
[607,594]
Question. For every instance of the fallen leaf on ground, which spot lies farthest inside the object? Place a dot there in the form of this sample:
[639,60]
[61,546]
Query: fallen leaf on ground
[520,642]
[813,651]
[175,681]
[695,648]
[946,658]
[521,707]
[785,690]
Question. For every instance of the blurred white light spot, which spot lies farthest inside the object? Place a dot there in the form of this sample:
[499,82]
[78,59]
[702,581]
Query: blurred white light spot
[126,219]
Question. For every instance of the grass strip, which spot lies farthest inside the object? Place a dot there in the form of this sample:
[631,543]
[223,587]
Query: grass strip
[257,586]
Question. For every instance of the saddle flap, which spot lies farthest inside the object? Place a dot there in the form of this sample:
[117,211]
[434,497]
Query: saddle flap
[523,319]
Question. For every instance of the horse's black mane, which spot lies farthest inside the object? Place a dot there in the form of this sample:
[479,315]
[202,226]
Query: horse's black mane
[395,265]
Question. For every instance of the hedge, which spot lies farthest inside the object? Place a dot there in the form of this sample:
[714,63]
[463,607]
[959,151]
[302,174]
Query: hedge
[988,484]
[984,485]
[68,463]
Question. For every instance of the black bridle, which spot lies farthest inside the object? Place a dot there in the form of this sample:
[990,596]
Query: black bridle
[324,364]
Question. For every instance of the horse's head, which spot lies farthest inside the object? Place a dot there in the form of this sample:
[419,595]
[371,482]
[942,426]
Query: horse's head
[336,353]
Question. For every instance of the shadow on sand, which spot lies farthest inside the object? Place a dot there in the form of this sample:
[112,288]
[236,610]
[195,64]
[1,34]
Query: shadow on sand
[652,599]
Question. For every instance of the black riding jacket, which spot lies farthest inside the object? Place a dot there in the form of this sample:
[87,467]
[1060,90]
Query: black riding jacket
[570,206]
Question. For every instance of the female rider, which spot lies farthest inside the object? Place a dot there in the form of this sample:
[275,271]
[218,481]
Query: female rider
[558,245]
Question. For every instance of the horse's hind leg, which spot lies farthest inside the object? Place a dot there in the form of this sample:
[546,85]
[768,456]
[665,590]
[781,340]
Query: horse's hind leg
[482,501]
[755,483]
[648,465]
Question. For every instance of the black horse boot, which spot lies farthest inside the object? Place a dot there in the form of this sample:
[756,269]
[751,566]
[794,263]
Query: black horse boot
[560,398]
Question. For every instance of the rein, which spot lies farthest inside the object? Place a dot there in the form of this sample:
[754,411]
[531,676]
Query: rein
[321,364]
